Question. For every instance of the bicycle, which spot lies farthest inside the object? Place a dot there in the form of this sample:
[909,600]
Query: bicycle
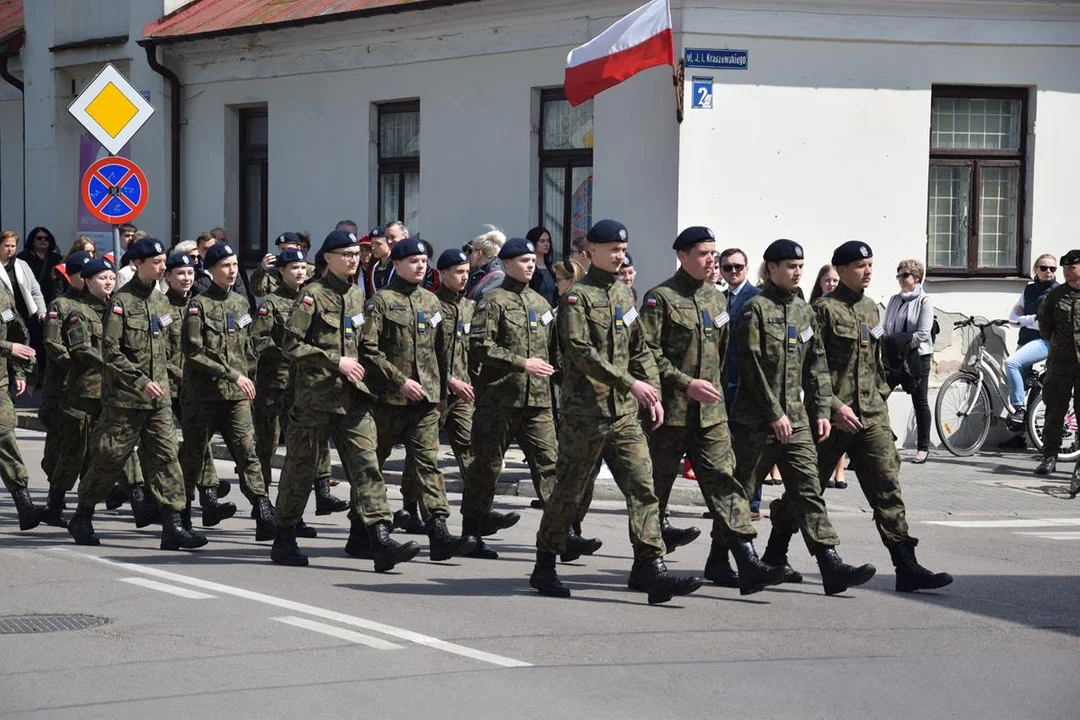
[1036,415]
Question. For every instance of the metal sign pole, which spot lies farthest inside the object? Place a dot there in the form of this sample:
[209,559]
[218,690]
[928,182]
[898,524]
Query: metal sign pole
[116,245]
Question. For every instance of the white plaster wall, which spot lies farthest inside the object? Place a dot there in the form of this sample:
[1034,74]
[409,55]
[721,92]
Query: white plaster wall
[11,160]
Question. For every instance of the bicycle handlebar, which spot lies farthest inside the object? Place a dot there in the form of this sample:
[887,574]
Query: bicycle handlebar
[973,321]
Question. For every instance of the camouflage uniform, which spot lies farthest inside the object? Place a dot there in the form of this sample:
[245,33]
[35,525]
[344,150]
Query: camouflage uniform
[685,323]
[512,324]
[780,355]
[12,469]
[55,373]
[1059,323]
[265,283]
[604,352]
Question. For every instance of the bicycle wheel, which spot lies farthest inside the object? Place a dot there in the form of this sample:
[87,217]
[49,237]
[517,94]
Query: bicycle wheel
[1036,417]
[962,414]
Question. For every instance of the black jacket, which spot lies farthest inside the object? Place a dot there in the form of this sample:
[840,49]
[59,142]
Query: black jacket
[43,267]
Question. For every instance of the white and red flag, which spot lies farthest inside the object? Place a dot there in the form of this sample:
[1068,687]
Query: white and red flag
[639,41]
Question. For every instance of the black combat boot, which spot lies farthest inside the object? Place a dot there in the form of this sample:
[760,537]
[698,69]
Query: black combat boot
[264,520]
[544,579]
[576,546]
[358,544]
[718,568]
[285,550]
[224,487]
[1046,466]
[81,527]
[677,537]
[776,551]
[116,498]
[144,507]
[910,575]
[29,514]
[174,536]
[185,517]
[652,576]
[495,521]
[213,511]
[837,576]
[402,518]
[754,575]
[444,545]
[388,552]
[53,515]
[482,551]
[415,524]
[303,530]
[325,502]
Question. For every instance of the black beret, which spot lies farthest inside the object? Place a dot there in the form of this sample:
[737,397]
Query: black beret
[1071,258]
[607,231]
[377,231]
[74,264]
[216,254]
[627,261]
[145,248]
[95,266]
[407,248]
[516,247]
[179,260]
[851,251]
[692,236]
[287,237]
[289,256]
[338,239]
[783,249]
[450,258]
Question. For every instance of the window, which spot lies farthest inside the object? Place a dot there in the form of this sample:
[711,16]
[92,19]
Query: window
[399,164]
[254,183]
[566,169]
[978,156]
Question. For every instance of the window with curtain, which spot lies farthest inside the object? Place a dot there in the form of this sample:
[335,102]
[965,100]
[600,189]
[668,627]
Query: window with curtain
[566,169]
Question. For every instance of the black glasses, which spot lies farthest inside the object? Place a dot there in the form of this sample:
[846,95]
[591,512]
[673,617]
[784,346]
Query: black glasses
[732,267]
[1047,268]
[352,255]
[903,276]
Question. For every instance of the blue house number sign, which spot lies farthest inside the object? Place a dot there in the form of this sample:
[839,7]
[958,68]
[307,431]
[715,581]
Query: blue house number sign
[703,93]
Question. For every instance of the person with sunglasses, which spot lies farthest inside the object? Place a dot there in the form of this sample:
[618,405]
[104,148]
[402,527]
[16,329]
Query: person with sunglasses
[1031,348]
[1058,325]
[911,311]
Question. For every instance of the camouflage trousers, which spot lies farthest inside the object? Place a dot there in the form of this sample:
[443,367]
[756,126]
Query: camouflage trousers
[494,428]
[208,478]
[757,450]
[50,406]
[12,468]
[417,427]
[457,421]
[232,419]
[713,460]
[621,443]
[112,443]
[307,435]
[1060,384]
[270,414]
[73,424]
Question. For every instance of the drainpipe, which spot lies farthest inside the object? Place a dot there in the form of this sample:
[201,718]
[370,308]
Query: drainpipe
[174,133]
[14,45]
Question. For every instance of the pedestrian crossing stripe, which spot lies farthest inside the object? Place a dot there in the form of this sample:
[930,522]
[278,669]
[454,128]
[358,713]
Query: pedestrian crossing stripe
[1014,523]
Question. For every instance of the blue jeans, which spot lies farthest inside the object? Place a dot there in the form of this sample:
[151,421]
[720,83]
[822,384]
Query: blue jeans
[1024,357]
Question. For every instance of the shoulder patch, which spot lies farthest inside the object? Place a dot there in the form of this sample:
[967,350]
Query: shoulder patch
[572,299]
[747,315]
[53,315]
[263,310]
[308,300]
[193,310]
[118,309]
[651,301]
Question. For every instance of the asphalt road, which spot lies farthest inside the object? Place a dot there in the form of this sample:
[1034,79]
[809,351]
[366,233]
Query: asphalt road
[224,633]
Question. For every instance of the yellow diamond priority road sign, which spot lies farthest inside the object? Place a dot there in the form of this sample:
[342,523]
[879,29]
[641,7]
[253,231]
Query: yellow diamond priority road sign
[111,109]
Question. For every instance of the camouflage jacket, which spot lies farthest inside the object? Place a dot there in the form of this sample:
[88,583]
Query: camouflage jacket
[55,351]
[513,323]
[81,333]
[406,336]
[135,346]
[780,355]
[323,327]
[217,345]
[12,330]
[603,348]
[269,332]
[458,311]
[686,325]
[1059,323]
[851,332]
[179,304]
[264,283]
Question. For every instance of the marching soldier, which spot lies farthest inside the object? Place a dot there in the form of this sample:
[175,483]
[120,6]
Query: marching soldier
[780,357]
[137,408]
[685,323]
[218,358]
[405,343]
[1059,323]
[322,339]
[608,371]
[851,333]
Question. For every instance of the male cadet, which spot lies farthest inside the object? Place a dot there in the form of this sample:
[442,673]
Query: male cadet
[381,269]
[851,332]
[513,344]
[219,357]
[136,405]
[273,381]
[322,335]
[267,277]
[608,371]
[12,469]
[405,342]
[685,324]
[780,357]
[1059,323]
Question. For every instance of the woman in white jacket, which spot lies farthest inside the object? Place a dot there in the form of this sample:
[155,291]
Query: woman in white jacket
[19,280]
[912,311]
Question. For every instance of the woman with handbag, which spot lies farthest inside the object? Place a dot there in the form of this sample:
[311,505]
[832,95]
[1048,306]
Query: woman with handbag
[911,312]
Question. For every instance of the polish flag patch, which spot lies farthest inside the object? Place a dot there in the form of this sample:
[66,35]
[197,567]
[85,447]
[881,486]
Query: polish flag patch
[263,311]
[53,315]
[572,299]
[308,300]
[193,310]
[117,310]
[650,302]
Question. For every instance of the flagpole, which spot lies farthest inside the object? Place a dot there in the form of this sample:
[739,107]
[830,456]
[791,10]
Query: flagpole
[678,71]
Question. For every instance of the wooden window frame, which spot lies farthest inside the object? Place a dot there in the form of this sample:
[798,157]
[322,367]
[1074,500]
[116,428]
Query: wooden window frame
[400,166]
[568,160]
[251,154]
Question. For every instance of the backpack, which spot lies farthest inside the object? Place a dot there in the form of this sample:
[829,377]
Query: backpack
[935,330]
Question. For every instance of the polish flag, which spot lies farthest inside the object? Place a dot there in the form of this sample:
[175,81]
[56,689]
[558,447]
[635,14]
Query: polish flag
[639,41]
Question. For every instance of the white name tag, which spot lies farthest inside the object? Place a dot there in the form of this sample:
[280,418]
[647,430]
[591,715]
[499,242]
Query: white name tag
[165,320]
[806,334]
[547,317]
[468,327]
[721,320]
[358,319]
[436,319]
[7,315]
[878,331]
[244,320]
[630,317]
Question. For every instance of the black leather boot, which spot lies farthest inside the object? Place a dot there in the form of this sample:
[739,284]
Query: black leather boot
[754,575]
[29,514]
[285,550]
[213,511]
[444,545]
[81,527]
[482,551]
[576,546]
[174,536]
[653,577]
[776,551]
[544,579]
[224,487]
[837,576]
[388,552]
[303,530]
[116,498]
[402,518]
[718,568]
[185,517]
[415,524]
[677,537]
[494,521]
[53,515]
[910,575]
[144,507]
[359,545]
[264,520]
[1046,466]
[325,502]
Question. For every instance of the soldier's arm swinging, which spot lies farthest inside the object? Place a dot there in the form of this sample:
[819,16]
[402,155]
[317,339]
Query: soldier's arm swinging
[196,352]
[55,350]
[483,340]
[296,345]
[652,328]
[79,339]
[751,375]
[578,349]
[374,358]
[112,336]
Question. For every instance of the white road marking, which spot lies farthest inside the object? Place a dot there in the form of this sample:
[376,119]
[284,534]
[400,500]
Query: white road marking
[1059,522]
[305,609]
[1053,535]
[340,633]
[171,589]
